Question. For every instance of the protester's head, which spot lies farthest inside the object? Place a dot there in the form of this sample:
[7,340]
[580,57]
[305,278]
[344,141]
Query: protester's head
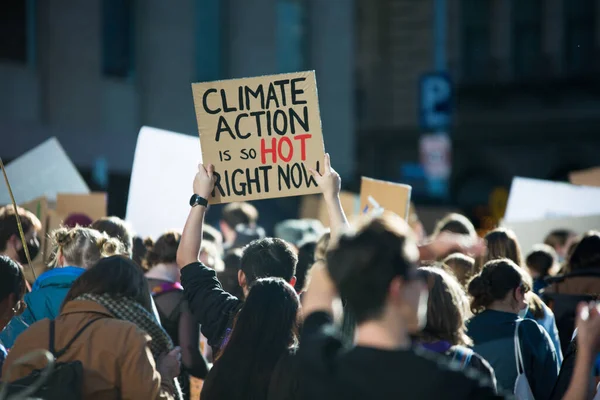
[322,246]
[163,251]
[265,329]
[298,231]
[455,223]
[211,234]
[560,240]
[306,259]
[82,247]
[501,284]
[502,243]
[139,251]
[116,228]
[229,276]
[447,308]
[264,258]
[211,256]
[462,266]
[10,240]
[374,269]
[12,290]
[116,276]
[541,261]
[587,253]
[235,214]
[245,234]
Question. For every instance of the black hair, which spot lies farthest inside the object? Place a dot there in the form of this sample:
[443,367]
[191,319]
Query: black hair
[116,228]
[306,259]
[363,263]
[117,276]
[268,257]
[12,280]
[265,331]
[541,259]
[587,252]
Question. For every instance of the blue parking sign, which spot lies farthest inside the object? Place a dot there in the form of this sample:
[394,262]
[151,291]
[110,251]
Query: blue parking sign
[435,105]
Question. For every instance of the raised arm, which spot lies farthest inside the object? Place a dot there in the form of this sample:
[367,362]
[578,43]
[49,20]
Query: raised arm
[322,293]
[330,184]
[191,239]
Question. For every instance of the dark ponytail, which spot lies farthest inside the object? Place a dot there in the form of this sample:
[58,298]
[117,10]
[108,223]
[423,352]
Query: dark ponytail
[494,282]
[163,251]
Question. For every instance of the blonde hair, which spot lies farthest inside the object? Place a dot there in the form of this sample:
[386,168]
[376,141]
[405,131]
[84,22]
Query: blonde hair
[322,245]
[82,247]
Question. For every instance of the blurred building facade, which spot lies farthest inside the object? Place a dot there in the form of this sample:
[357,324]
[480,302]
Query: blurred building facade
[93,72]
[526,75]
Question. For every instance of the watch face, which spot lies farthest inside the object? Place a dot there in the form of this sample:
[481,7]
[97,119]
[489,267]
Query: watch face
[193,200]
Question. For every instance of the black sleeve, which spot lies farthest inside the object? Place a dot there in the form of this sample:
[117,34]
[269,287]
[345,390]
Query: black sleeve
[209,303]
[566,372]
[319,346]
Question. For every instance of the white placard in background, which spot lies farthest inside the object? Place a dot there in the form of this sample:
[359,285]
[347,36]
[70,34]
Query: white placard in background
[162,175]
[535,199]
[531,233]
[44,170]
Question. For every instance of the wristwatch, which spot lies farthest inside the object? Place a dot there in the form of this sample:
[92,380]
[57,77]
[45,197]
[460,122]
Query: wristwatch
[198,201]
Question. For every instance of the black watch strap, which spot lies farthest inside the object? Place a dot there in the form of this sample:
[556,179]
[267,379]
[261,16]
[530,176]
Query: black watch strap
[198,201]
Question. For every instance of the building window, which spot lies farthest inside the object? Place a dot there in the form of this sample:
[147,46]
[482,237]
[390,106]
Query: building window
[526,37]
[117,38]
[291,38]
[476,39]
[580,30]
[13,30]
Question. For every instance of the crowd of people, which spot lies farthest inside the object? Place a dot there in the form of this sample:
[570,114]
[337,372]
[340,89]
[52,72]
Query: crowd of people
[371,309]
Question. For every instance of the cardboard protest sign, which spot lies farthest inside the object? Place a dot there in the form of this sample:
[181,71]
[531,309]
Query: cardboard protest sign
[376,196]
[163,171]
[587,177]
[262,134]
[534,232]
[314,207]
[535,199]
[43,171]
[92,205]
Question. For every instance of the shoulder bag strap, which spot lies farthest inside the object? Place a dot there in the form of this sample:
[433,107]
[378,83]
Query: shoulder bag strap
[64,349]
[51,342]
[518,354]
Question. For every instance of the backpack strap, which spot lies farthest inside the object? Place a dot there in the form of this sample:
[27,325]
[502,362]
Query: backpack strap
[58,354]
[463,356]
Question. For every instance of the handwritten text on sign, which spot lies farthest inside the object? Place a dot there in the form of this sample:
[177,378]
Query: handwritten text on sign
[262,134]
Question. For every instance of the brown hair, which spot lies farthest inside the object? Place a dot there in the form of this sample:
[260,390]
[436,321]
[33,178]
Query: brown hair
[446,308]
[363,263]
[496,279]
[462,266]
[235,214]
[163,251]
[116,228]
[9,227]
[82,247]
[501,243]
[117,276]
[558,237]
[455,223]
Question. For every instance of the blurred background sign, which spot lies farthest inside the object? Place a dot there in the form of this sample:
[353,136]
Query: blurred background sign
[435,108]
[436,159]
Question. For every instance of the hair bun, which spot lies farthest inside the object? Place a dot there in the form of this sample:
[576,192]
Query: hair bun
[61,236]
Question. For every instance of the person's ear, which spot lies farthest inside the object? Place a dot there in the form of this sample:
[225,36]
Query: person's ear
[242,279]
[293,281]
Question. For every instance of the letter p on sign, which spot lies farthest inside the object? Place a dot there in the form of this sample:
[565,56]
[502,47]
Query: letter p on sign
[435,101]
